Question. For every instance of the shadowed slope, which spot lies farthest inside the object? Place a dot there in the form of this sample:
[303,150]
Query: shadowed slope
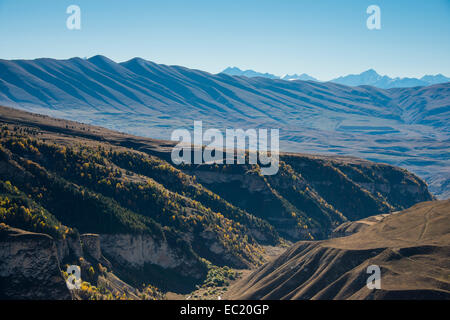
[411,247]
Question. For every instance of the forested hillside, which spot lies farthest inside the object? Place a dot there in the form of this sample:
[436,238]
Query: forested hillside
[65,178]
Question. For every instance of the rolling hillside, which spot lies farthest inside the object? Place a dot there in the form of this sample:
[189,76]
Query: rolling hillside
[411,248]
[407,127]
[367,78]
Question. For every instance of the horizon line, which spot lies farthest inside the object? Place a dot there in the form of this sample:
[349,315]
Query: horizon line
[241,69]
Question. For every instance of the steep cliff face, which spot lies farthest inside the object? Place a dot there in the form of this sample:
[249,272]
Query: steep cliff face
[92,249]
[69,247]
[312,195]
[29,266]
[136,251]
[142,258]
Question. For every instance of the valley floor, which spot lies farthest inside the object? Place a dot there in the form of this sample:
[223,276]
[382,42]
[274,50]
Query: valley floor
[218,292]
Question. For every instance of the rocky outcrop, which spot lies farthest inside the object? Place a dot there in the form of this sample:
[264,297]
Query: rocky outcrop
[69,246]
[165,263]
[91,245]
[29,266]
[311,195]
[411,249]
[30,262]
[138,251]
[92,248]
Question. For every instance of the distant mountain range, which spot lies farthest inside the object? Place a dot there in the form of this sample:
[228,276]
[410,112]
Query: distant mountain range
[234,71]
[369,78]
[372,78]
[409,127]
[303,77]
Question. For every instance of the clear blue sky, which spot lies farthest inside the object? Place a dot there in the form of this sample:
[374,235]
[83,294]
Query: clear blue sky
[324,38]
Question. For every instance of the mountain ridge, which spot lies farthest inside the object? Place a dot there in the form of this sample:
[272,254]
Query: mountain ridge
[369,77]
[408,127]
